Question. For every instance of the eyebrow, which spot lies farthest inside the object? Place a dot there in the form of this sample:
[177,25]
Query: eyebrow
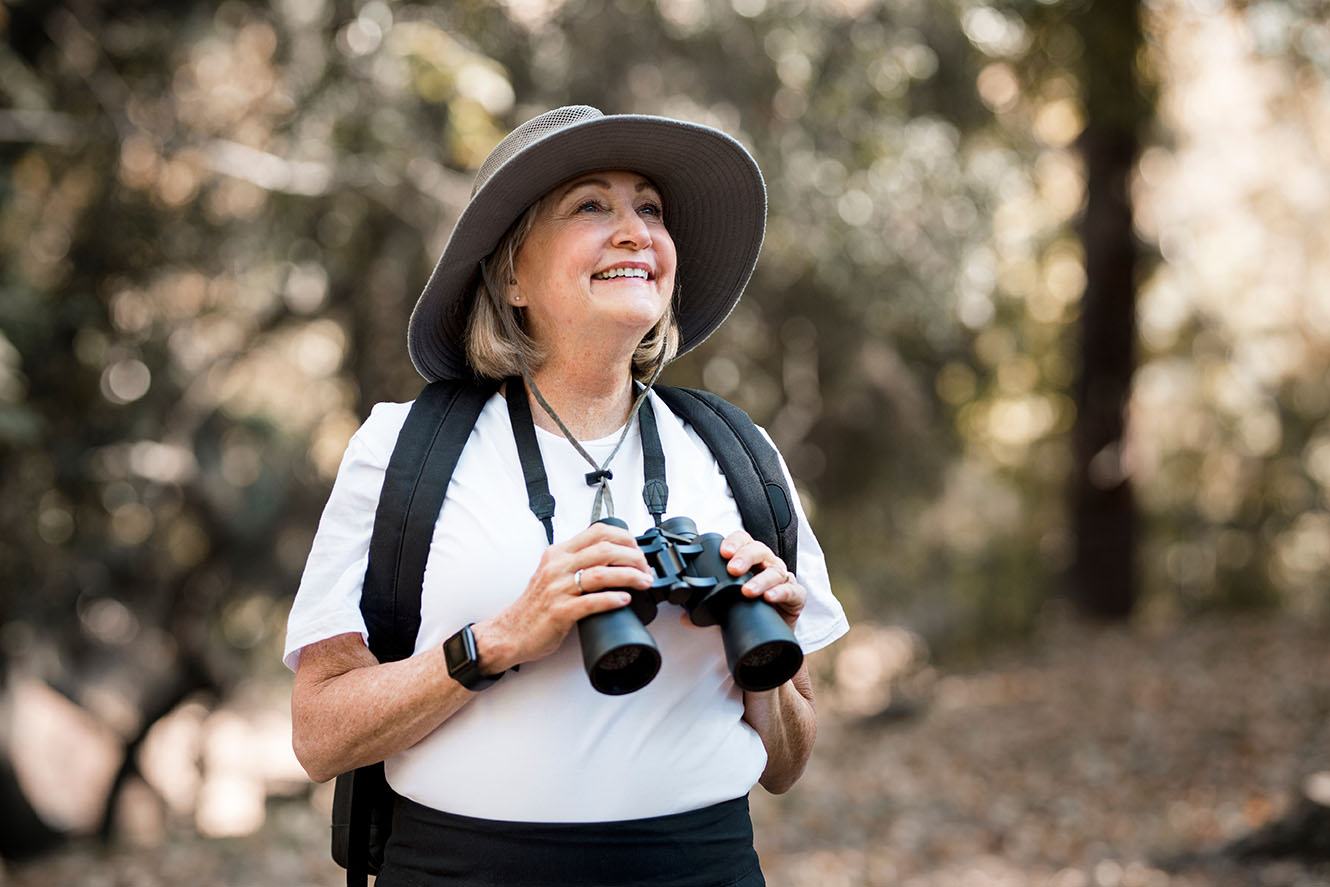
[642,185]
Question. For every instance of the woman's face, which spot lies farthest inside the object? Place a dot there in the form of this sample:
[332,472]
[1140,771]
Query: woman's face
[597,268]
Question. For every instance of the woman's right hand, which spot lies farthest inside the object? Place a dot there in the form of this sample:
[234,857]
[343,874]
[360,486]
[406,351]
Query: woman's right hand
[534,625]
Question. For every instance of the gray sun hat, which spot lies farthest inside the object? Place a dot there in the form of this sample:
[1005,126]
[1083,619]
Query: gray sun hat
[715,210]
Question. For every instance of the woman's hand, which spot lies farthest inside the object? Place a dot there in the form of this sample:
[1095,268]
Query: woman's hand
[569,584]
[774,583]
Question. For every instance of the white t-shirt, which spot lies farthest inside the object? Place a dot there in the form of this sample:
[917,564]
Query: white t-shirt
[541,745]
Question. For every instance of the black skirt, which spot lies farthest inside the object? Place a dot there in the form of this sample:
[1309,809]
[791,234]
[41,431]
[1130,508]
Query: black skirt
[711,847]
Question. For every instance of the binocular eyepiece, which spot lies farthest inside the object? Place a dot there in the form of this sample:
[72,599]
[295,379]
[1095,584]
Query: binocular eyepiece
[621,656]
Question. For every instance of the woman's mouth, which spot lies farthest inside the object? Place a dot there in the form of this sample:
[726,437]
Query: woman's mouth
[612,273]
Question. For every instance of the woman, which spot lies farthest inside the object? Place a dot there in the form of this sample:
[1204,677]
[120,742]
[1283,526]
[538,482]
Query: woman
[593,249]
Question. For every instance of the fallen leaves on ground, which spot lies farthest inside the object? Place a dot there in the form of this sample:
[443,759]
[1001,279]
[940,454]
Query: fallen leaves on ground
[1090,757]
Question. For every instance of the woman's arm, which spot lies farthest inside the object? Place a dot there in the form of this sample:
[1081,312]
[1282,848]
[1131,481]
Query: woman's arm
[348,710]
[786,720]
[785,717]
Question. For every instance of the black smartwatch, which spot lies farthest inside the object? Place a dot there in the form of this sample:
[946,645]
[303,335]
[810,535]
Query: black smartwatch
[464,663]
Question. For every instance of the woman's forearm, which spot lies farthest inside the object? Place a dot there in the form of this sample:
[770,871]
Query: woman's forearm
[347,710]
[786,720]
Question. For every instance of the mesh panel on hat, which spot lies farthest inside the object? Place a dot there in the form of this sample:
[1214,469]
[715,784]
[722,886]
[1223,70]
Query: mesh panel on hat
[533,130]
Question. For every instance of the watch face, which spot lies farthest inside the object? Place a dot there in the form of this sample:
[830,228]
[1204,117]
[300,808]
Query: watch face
[460,652]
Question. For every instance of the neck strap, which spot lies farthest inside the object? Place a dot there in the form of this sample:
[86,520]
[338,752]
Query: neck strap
[655,492]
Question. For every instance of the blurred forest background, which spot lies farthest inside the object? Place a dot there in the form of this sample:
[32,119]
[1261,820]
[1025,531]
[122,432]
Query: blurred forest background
[1040,324]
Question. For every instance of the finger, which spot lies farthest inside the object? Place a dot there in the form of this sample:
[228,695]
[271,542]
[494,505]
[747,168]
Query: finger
[733,542]
[601,532]
[788,596]
[610,553]
[753,555]
[769,579]
[599,578]
[596,602]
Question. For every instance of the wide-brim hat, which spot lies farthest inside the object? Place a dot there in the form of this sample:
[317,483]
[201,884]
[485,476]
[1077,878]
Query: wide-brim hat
[715,210]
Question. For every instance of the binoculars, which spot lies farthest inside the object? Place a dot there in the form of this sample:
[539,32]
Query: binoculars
[621,656]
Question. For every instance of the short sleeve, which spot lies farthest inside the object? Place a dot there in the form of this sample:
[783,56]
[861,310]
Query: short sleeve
[327,602]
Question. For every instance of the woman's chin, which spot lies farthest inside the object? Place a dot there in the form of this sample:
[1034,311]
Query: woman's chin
[632,310]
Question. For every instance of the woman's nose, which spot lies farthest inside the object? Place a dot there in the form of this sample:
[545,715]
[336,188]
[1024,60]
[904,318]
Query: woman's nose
[631,230]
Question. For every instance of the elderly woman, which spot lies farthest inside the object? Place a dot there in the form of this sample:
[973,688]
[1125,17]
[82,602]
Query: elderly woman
[594,249]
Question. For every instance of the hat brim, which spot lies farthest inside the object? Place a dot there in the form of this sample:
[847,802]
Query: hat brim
[715,210]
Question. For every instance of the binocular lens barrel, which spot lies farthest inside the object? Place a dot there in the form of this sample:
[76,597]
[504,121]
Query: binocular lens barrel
[760,649]
[619,653]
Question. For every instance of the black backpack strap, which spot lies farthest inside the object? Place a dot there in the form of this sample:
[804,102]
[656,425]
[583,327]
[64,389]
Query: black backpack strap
[750,463]
[422,463]
[414,484]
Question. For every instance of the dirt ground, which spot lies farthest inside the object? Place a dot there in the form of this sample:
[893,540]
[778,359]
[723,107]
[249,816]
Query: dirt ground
[1087,758]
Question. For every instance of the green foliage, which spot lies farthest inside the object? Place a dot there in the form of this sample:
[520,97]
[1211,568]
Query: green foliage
[214,221]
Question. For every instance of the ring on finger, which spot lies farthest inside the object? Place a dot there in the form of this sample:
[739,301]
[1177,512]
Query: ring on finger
[577,580]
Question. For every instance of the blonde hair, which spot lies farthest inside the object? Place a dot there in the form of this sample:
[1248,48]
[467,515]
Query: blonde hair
[495,353]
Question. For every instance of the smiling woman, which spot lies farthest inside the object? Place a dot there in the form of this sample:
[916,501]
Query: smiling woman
[595,275]
[497,349]
[593,250]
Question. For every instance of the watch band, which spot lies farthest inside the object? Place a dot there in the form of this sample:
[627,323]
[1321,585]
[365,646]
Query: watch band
[459,651]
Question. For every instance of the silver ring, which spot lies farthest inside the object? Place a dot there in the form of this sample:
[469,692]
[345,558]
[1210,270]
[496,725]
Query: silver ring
[577,580]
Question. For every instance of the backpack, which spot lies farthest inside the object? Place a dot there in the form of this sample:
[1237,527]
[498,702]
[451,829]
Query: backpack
[422,464]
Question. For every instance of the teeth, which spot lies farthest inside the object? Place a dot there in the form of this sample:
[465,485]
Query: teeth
[620,272]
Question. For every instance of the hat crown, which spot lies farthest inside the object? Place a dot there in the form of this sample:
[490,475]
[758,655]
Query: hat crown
[529,133]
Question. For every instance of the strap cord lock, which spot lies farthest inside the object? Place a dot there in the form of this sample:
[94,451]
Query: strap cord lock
[595,477]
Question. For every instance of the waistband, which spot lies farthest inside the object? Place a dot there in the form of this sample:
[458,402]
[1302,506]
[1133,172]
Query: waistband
[710,847]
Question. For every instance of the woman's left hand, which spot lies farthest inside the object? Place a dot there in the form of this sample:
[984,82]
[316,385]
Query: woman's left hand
[774,583]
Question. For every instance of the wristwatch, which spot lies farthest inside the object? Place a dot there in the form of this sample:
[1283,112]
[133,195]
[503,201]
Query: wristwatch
[463,661]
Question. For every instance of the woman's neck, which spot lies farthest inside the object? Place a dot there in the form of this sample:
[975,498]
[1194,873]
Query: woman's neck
[592,402]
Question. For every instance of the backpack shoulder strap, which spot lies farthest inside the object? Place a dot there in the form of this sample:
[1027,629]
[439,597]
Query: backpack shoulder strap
[414,484]
[750,463]
[417,477]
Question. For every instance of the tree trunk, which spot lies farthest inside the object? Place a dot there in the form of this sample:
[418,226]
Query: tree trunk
[1104,569]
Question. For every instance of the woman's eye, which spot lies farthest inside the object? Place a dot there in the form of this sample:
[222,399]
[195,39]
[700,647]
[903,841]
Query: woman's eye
[650,209]
[588,206]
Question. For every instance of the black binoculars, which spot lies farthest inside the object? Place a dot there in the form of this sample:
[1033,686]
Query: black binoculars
[621,656]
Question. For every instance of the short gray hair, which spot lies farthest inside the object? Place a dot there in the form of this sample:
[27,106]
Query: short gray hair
[494,353]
